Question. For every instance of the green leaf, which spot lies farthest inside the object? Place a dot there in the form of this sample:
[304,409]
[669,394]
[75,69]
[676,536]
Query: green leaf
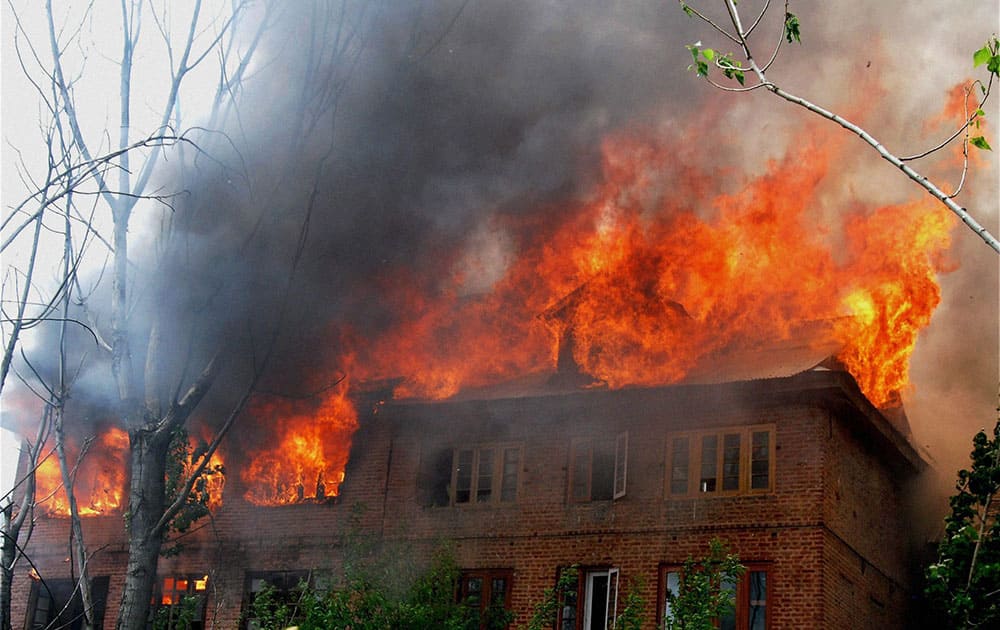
[980,57]
[980,143]
[792,33]
[709,54]
[980,113]
[686,9]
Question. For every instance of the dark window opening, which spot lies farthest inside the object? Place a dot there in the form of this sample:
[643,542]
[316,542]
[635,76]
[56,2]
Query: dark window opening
[285,589]
[598,468]
[594,603]
[56,603]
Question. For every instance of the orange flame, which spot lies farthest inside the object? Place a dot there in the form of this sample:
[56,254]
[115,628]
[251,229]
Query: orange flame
[307,457]
[99,483]
[644,288]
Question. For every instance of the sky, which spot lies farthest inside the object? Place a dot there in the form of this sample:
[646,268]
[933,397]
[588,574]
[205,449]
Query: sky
[454,116]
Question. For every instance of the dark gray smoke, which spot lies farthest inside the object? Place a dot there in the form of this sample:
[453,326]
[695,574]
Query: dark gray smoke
[374,168]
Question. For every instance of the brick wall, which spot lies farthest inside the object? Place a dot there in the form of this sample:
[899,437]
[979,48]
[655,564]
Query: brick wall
[828,533]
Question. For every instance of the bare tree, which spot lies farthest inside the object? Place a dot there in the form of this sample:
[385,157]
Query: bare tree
[748,72]
[118,175]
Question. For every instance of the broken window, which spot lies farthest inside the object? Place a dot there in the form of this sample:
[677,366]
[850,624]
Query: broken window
[181,597]
[721,461]
[598,468]
[486,590]
[594,605]
[485,474]
[56,603]
[749,611]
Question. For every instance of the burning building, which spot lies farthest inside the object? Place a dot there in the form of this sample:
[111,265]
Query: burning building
[797,470]
[545,324]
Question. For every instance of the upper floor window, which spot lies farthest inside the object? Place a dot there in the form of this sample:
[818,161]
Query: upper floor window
[598,468]
[485,474]
[737,460]
[749,611]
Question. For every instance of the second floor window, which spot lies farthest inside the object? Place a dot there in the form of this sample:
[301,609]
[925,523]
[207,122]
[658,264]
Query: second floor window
[598,468]
[738,460]
[485,474]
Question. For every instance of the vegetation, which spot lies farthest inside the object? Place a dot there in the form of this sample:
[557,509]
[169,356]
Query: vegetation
[702,597]
[370,599]
[963,586]
[749,72]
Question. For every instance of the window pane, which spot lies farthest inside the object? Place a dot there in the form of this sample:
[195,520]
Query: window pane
[463,477]
[673,587]
[567,615]
[680,460]
[728,620]
[757,619]
[484,484]
[731,462]
[581,473]
[760,461]
[511,465]
[473,591]
[602,482]
[597,601]
[621,464]
[709,447]
[498,590]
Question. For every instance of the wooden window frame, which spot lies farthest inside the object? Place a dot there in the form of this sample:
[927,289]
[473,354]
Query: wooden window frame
[618,448]
[694,462]
[486,594]
[742,599]
[496,474]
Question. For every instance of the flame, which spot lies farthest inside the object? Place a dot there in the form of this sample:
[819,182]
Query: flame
[643,285]
[307,456]
[100,479]
[651,277]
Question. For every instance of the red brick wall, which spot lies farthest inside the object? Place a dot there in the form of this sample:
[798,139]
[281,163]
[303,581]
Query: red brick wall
[825,533]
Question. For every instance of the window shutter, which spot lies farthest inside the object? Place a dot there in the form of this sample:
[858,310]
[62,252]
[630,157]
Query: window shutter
[621,464]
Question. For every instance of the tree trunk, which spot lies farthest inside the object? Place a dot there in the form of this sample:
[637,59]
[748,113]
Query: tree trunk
[6,564]
[148,451]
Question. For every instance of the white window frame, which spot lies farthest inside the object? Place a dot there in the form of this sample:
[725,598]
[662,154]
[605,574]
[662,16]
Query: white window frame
[610,597]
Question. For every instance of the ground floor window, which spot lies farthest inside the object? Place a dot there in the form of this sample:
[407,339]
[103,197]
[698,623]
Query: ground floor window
[56,603]
[284,588]
[750,610]
[594,604]
[181,599]
[487,590]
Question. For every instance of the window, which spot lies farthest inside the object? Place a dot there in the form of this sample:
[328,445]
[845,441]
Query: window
[486,589]
[284,585]
[56,603]
[598,468]
[594,605]
[485,474]
[750,598]
[730,461]
[177,594]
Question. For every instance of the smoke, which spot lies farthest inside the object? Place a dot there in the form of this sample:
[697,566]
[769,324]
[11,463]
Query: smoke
[409,140]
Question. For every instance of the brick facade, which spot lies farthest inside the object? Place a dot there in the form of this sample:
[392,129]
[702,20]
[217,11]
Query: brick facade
[829,531]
